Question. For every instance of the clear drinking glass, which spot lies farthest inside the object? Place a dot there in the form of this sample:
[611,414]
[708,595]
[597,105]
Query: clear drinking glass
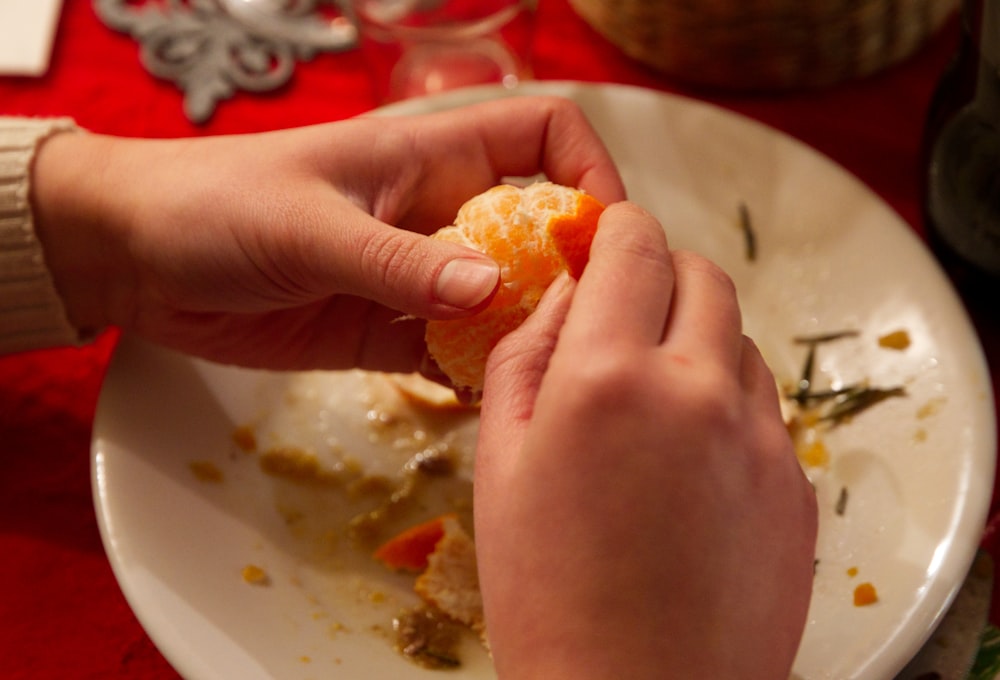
[418,47]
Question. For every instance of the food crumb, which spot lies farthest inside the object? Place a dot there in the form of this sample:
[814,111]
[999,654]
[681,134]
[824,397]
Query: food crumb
[305,659]
[245,438]
[865,594]
[931,408]
[815,454]
[255,575]
[294,464]
[852,571]
[206,471]
[898,340]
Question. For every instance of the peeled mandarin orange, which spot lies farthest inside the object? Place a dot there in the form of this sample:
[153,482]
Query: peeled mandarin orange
[534,233]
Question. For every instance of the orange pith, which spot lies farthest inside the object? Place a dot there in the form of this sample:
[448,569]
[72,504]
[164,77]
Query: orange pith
[534,234]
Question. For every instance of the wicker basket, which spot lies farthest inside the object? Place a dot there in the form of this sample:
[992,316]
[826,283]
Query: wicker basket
[766,44]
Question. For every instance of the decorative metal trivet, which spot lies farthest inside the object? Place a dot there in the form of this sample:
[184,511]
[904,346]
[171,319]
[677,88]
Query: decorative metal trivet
[212,48]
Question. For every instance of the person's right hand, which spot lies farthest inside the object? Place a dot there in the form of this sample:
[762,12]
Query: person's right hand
[640,512]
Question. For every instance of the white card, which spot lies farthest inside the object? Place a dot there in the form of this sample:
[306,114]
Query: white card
[27,29]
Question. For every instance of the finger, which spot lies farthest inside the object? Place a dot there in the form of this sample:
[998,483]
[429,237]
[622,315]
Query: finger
[759,384]
[625,290]
[516,366]
[402,270]
[522,136]
[572,152]
[569,149]
[705,321]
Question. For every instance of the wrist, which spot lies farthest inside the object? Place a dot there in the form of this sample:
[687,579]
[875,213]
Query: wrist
[71,201]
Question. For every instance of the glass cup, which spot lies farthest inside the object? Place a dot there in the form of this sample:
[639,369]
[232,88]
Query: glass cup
[419,47]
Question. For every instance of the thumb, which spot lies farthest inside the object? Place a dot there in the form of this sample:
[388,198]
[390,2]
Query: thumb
[515,370]
[418,275]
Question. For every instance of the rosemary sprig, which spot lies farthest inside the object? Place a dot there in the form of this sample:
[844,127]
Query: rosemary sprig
[749,236]
[855,401]
[803,392]
[849,400]
[824,337]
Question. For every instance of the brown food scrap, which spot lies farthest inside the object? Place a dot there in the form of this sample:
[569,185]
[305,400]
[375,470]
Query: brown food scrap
[898,340]
[433,461]
[296,465]
[206,471]
[245,438]
[865,594]
[451,581]
[378,487]
[428,637]
[932,407]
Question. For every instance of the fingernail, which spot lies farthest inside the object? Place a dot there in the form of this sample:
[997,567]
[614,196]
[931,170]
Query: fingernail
[465,283]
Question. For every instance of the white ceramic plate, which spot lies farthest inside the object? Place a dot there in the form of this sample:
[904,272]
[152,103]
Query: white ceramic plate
[831,256]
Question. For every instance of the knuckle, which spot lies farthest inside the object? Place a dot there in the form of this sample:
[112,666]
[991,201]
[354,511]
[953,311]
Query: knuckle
[702,265]
[609,379]
[712,395]
[389,256]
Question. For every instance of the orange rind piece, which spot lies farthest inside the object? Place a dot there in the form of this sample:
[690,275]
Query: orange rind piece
[534,233]
[411,549]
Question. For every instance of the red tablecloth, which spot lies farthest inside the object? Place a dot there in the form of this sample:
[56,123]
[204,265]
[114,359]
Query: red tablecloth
[61,612]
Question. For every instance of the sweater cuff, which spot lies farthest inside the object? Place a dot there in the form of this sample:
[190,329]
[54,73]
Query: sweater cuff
[32,315]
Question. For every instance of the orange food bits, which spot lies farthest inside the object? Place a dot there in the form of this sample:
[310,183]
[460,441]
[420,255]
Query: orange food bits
[410,550]
[534,233]
[898,340]
[864,595]
[255,575]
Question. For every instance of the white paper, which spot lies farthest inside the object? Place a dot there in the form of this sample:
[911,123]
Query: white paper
[27,29]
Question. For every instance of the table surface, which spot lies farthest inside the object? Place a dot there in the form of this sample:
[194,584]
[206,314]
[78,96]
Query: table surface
[61,611]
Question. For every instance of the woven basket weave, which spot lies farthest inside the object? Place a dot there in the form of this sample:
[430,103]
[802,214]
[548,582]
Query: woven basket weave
[766,44]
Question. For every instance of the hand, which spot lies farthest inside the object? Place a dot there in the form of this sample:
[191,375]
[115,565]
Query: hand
[300,248]
[640,512]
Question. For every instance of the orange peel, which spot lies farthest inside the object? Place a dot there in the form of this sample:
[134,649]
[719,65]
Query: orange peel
[534,233]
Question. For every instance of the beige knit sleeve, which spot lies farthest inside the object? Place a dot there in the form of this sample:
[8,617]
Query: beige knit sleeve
[31,313]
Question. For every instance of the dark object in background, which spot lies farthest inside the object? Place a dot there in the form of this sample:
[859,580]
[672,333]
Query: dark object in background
[962,160]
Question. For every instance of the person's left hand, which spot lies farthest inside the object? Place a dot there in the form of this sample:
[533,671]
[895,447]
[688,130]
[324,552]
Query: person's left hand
[301,248]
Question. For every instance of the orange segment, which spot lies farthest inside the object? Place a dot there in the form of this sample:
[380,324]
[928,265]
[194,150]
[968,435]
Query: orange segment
[534,234]
[572,234]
